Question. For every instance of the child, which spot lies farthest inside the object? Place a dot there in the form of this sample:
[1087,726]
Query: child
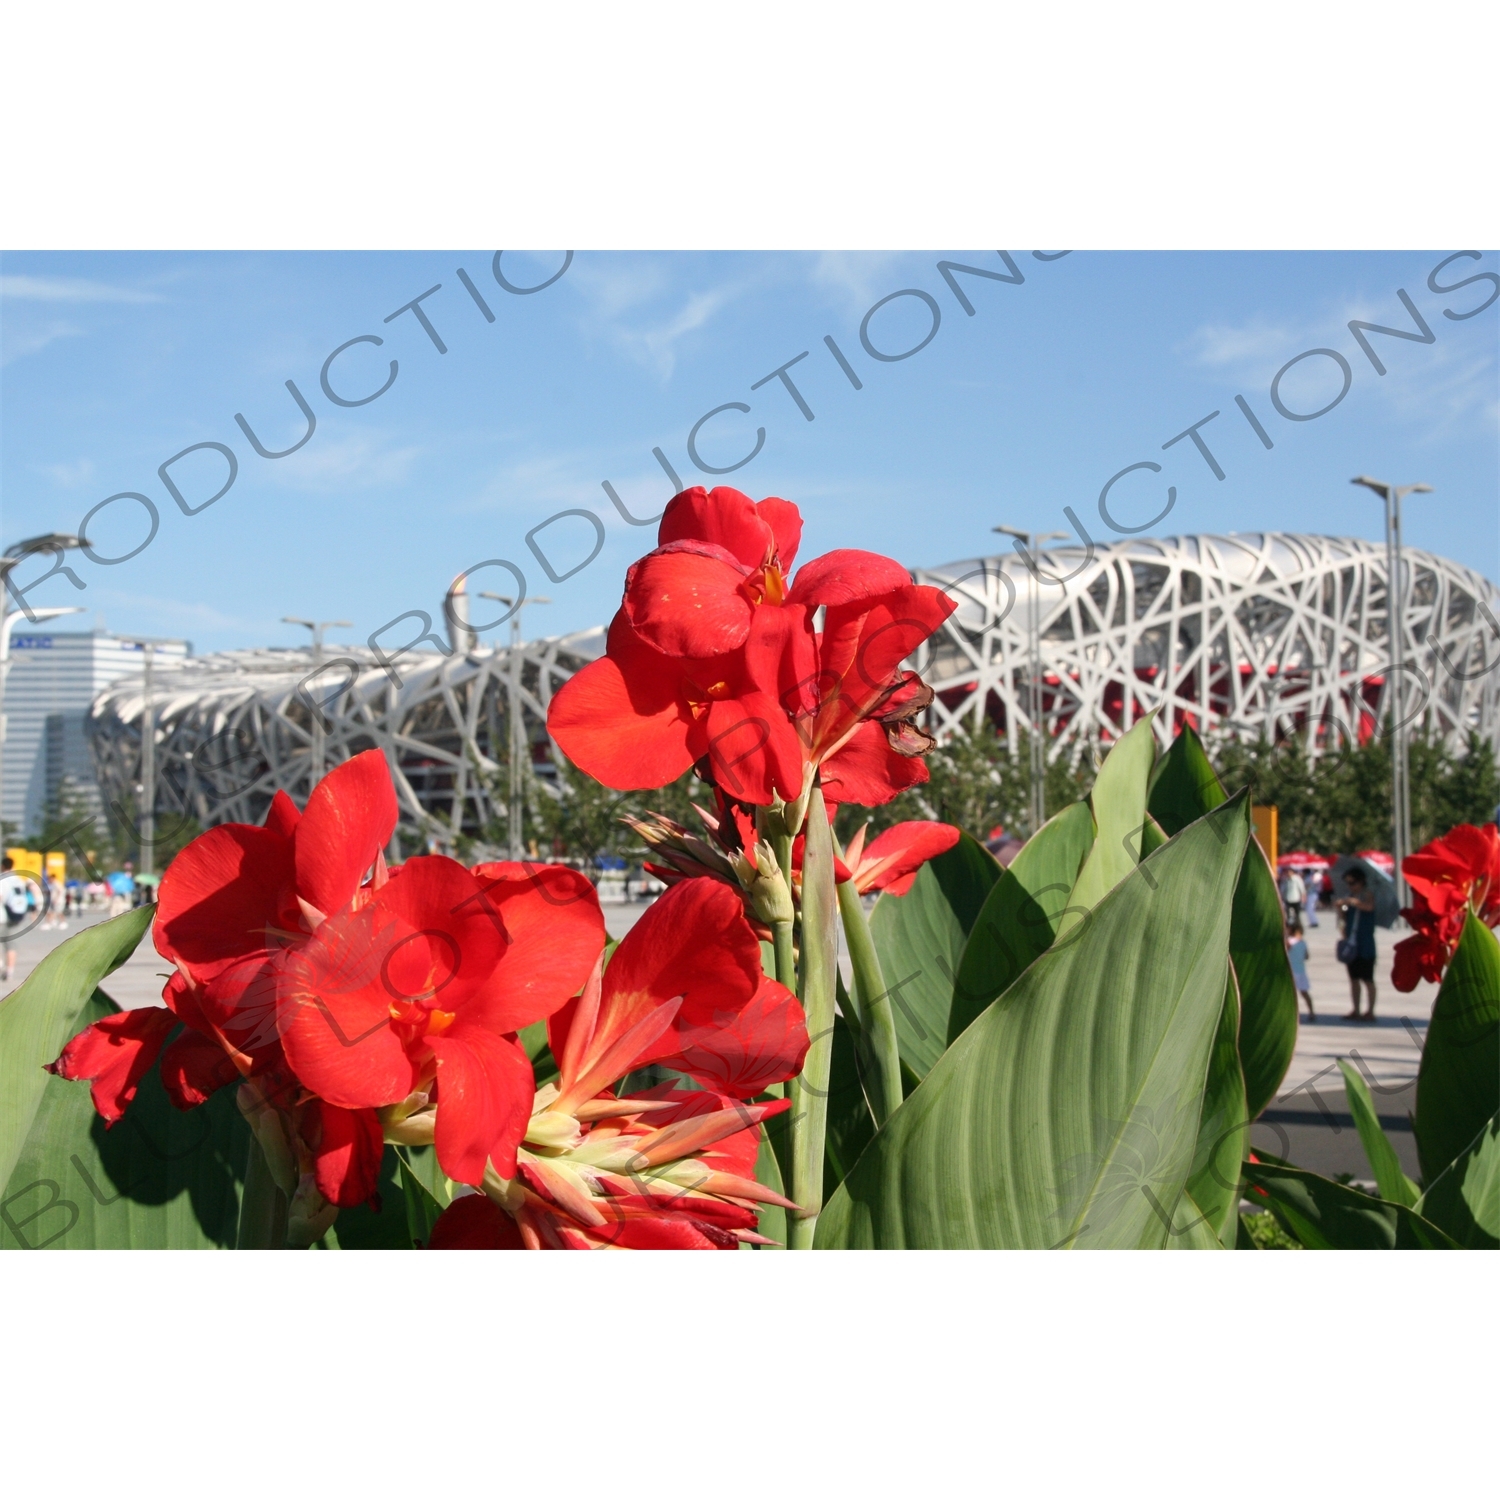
[1296,951]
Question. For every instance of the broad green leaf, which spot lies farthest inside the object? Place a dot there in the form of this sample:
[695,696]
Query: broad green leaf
[1465,1200]
[772,1217]
[533,1039]
[1067,1114]
[1118,803]
[1184,788]
[44,1015]
[422,1209]
[159,1179]
[851,1125]
[1395,1186]
[1325,1215]
[1019,917]
[920,938]
[1223,1126]
[1458,1083]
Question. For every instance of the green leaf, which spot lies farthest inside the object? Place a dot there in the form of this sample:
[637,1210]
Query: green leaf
[1458,1083]
[1326,1215]
[771,1216]
[851,1125]
[160,1179]
[1465,1199]
[1018,920]
[1184,788]
[1068,1113]
[920,938]
[43,1016]
[1223,1126]
[1118,803]
[422,1209]
[1395,1186]
[533,1039]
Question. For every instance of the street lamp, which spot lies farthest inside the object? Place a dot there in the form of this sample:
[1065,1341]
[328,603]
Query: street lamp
[147,827]
[315,771]
[1395,629]
[52,541]
[513,690]
[1029,542]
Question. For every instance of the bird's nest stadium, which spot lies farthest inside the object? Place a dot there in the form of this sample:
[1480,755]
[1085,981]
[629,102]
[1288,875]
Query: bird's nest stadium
[1249,635]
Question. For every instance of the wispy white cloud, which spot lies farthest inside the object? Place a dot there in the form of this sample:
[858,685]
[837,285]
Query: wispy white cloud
[70,289]
[1242,348]
[360,461]
[14,345]
[639,307]
[69,475]
[857,278]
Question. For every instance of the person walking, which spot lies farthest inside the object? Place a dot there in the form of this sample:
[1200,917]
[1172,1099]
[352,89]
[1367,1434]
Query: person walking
[1293,894]
[1296,952]
[1356,949]
[15,906]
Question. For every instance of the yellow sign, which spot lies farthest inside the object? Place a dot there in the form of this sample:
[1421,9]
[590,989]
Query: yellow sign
[27,862]
[57,867]
[1266,831]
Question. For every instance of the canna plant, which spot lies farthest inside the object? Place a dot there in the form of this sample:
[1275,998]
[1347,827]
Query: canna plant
[1064,1053]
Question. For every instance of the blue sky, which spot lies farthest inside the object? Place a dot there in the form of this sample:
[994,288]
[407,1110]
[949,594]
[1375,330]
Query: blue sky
[113,363]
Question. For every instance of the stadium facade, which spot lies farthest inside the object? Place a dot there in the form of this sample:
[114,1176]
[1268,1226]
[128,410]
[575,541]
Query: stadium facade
[1242,635]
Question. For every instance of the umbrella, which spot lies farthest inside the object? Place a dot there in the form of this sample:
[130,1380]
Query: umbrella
[1300,860]
[1382,862]
[1387,903]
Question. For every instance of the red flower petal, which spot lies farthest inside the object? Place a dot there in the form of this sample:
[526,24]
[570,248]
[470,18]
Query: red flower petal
[685,600]
[891,862]
[744,1052]
[753,750]
[347,1146]
[867,771]
[555,928]
[348,821]
[334,1011]
[847,576]
[485,1093]
[474,1223]
[282,816]
[220,894]
[627,732]
[724,517]
[114,1055]
[785,521]
[193,1067]
[694,943]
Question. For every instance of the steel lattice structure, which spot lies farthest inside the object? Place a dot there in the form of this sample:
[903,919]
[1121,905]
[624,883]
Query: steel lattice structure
[232,728]
[1237,635]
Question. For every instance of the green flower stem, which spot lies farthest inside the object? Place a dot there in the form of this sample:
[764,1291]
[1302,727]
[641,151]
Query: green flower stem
[809,1113]
[876,1036]
[263,1206]
[781,932]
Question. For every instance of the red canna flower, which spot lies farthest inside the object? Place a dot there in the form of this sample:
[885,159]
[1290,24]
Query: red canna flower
[228,902]
[713,660]
[667,1167]
[892,860]
[1449,877]
[408,1002]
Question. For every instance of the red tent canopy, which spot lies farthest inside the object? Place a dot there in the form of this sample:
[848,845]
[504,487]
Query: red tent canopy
[1381,860]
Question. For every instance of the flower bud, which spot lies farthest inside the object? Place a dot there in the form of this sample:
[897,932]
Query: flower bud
[553,1130]
[770,898]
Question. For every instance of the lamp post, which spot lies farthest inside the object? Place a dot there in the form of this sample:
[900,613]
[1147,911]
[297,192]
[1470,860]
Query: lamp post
[315,768]
[53,542]
[1395,629]
[147,826]
[1028,543]
[513,691]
